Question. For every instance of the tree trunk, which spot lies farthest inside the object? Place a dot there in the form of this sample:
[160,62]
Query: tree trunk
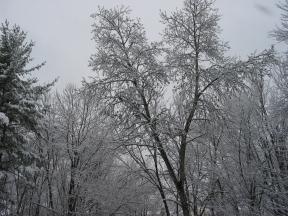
[160,186]
[71,197]
[183,200]
[51,205]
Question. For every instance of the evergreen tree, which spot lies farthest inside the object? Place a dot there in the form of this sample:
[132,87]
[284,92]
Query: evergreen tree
[20,109]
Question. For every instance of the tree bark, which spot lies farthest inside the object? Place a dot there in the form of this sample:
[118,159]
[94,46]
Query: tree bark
[71,196]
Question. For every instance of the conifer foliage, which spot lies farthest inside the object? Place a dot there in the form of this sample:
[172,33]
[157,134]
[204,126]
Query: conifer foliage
[20,109]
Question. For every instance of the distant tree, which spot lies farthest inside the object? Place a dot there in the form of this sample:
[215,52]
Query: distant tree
[276,118]
[84,138]
[281,32]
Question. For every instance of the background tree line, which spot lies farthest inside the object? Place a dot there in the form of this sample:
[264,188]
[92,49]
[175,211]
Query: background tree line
[175,127]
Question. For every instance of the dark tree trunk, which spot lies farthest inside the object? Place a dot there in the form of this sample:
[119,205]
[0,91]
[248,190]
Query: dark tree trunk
[71,198]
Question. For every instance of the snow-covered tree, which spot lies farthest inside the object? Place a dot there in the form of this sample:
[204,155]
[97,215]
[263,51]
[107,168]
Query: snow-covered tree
[20,108]
[171,128]
[132,81]
[281,33]
[174,127]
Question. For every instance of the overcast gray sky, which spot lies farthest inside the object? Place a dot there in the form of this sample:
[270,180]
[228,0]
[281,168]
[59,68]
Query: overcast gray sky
[62,28]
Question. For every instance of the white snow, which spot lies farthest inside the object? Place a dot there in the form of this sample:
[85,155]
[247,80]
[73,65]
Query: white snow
[4,119]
